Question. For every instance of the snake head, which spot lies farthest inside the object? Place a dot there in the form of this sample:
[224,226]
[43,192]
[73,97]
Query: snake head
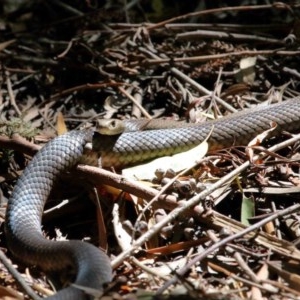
[110,127]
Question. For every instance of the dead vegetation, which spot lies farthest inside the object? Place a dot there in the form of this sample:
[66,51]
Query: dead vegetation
[228,228]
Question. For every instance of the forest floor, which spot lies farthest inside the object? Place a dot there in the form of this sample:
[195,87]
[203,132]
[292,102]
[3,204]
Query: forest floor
[226,228]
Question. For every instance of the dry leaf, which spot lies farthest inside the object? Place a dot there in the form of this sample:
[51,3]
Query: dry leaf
[259,139]
[177,163]
[6,44]
[60,124]
[246,73]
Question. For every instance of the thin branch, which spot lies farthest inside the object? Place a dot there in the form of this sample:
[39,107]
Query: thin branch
[18,143]
[278,5]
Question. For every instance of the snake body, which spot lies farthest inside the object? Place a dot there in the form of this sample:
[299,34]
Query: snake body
[24,213]
[237,129]
[25,207]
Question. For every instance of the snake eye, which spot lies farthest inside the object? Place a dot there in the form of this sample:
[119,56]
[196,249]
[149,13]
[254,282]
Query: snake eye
[113,123]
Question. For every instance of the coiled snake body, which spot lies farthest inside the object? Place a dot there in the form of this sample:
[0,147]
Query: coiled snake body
[24,212]
[25,207]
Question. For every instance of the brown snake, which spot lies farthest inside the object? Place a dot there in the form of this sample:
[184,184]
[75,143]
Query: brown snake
[25,207]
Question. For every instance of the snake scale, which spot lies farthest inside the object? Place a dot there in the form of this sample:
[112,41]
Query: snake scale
[25,207]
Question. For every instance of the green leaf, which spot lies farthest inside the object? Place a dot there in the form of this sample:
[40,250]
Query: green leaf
[247,210]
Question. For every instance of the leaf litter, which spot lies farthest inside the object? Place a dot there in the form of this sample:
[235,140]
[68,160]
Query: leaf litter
[65,71]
